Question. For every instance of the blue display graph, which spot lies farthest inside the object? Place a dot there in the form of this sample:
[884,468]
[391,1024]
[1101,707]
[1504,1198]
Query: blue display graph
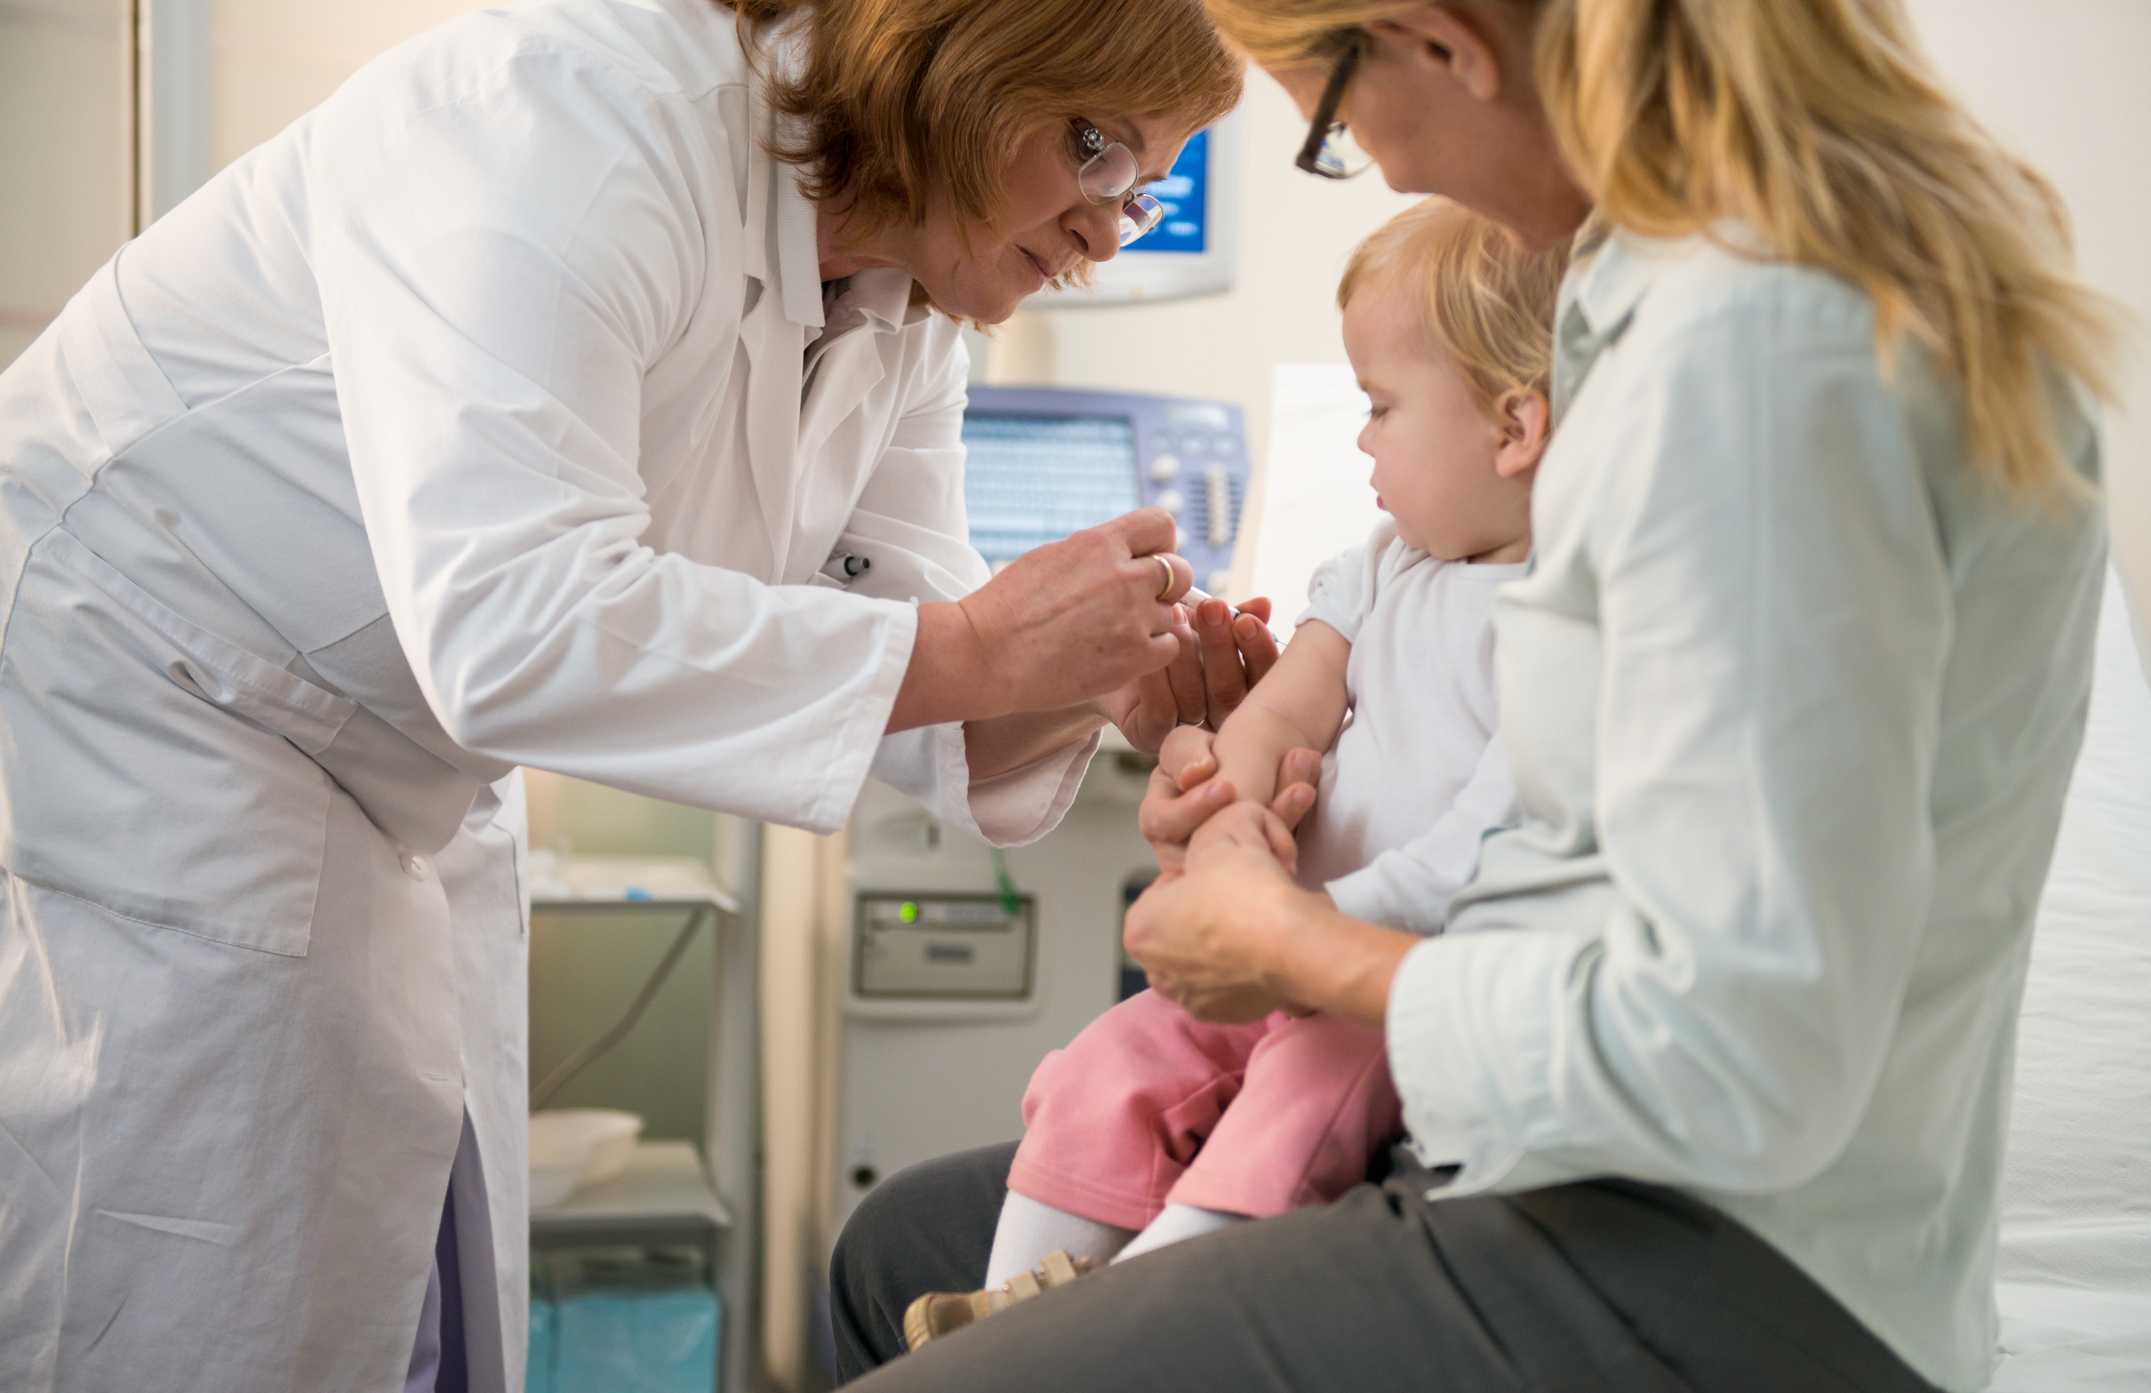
[1185,193]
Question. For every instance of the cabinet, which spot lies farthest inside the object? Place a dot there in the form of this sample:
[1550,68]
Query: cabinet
[672,1192]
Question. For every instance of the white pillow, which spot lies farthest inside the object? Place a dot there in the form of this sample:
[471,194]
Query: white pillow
[2075,1261]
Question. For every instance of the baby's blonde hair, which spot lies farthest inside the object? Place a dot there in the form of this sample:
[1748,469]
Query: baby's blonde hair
[1483,300]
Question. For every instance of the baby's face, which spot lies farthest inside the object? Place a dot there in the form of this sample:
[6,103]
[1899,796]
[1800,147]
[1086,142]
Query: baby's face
[1434,450]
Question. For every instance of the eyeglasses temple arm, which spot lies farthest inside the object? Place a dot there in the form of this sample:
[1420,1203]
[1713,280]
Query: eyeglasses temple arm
[1326,110]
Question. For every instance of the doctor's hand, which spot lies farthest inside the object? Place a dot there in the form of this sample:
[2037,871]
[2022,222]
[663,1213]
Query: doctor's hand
[1221,656]
[1063,625]
[1185,794]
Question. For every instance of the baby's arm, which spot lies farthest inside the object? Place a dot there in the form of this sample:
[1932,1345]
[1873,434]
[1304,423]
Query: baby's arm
[1299,704]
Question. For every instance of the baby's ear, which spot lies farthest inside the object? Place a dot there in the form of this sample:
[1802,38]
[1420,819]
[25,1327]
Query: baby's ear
[1526,421]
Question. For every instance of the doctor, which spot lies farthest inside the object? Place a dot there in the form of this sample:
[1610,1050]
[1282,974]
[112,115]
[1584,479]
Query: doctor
[510,408]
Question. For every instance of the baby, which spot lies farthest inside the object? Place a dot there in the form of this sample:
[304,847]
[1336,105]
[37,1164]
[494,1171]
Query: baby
[1152,1127]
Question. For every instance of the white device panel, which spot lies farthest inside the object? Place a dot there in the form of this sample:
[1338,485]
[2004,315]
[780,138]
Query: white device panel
[930,1062]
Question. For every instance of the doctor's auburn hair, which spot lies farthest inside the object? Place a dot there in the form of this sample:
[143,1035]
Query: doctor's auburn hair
[1820,125]
[899,100]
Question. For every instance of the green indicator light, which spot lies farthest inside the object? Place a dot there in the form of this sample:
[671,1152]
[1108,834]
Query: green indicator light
[908,912]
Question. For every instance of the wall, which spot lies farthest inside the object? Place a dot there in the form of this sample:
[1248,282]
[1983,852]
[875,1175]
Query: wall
[65,158]
[278,59]
[2062,82]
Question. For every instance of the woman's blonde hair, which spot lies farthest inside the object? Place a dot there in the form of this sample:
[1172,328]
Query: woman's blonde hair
[1482,299]
[903,100]
[1818,123]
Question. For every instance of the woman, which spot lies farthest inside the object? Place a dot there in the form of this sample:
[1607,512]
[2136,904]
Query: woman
[523,404]
[1705,1080]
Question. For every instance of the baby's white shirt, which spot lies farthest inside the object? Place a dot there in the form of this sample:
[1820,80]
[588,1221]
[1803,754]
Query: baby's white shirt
[1417,777]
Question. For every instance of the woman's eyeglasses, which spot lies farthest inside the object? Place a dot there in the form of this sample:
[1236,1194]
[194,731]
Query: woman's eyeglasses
[1108,172]
[1329,149]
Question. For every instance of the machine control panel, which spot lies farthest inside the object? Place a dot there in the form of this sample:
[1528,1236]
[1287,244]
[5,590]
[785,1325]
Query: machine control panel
[943,947]
[1044,462]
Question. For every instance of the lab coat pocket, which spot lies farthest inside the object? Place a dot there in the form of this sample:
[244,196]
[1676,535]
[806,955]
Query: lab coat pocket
[153,768]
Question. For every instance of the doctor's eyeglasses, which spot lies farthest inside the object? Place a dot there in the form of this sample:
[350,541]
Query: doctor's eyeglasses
[1108,171]
[1329,149]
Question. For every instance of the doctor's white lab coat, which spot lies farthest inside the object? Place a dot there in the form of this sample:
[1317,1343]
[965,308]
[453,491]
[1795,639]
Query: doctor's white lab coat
[493,414]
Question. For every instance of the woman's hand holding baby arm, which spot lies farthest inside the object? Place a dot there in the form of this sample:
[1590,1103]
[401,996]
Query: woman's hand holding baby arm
[1232,939]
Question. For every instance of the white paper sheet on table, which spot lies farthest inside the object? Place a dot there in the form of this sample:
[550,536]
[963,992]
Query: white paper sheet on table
[1317,497]
[2075,1257]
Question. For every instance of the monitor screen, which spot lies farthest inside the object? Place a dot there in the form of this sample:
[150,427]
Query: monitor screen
[1185,194]
[1034,479]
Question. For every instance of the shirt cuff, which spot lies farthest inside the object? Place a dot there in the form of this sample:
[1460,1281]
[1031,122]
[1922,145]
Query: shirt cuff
[1011,809]
[1367,894]
[1470,1028]
[1022,805]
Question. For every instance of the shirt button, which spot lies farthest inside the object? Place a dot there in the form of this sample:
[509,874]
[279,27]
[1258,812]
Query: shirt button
[415,867]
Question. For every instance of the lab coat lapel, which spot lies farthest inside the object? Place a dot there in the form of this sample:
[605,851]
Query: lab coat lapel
[781,260]
[850,367]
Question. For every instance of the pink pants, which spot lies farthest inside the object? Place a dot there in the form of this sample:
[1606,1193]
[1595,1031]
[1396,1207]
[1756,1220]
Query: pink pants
[1150,1105]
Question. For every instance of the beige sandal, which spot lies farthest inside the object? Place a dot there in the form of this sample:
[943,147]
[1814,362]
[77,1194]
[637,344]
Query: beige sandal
[937,1313]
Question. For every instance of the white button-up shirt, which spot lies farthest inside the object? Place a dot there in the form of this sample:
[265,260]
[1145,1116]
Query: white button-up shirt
[1791,699]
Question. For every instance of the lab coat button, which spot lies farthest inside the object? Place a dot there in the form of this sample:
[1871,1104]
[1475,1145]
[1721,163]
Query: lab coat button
[415,867]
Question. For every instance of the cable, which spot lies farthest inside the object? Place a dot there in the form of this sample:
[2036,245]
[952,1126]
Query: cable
[596,1049]
[1011,902]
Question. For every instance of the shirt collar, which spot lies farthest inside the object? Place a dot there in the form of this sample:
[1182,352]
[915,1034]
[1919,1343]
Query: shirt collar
[883,295]
[1610,271]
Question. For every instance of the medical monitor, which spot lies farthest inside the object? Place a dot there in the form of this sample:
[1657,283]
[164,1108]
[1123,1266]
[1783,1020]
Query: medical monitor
[1043,462]
[1194,249]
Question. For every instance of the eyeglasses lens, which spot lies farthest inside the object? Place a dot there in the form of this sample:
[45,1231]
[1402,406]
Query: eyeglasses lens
[1341,156]
[1109,174]
[1139,216]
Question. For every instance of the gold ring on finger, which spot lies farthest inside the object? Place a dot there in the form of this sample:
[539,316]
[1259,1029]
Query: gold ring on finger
[1171,578]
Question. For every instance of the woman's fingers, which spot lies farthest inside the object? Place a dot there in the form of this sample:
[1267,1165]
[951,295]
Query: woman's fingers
[1167,819]
[1149,534]
[1224,677]
[1291,805]
[1071,621]
[1282,846]
[1251,635]
[1156,712]
[1170,816]
[1298,774]
[1185,672]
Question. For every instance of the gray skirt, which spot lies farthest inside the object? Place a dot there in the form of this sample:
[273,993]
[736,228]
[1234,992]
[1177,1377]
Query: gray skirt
[1607,1286]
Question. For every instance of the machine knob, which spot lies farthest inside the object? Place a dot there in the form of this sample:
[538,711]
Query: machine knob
[1219,582]
[1164,469]
[1220,508]
[1171,501]
[1180,539]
